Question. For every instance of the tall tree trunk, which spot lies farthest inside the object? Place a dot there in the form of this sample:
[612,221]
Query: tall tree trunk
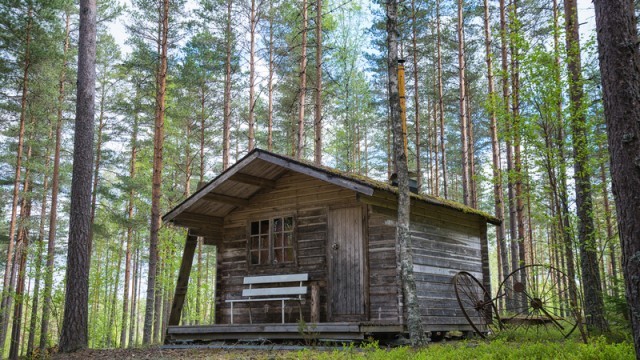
[498,194]
[226,126]
[130,208]
[253,21]
[620,69]
[74,328]
[464,138]
[443,153]
[504,43]
[22,245]
[563,198]
[613,261]
[416,93]
[517,139]
[270,81]
[113,299]
[473,190]
[434,141]
[509,138]
[318,103]
[55,185]
[156,190]
[7,288]
[303,83]
[593,299]
[157,319]
[98,160]
[188,169]
[133,318]
[403,233]
[38,262]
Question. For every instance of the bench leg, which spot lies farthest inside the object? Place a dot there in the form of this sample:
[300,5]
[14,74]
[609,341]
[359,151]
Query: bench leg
[231,312]
[283,311]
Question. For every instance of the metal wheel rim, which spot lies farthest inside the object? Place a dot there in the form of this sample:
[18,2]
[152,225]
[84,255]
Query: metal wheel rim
[538,302]
[479,301]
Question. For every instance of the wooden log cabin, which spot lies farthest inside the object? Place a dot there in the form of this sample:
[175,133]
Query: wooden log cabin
[273,215]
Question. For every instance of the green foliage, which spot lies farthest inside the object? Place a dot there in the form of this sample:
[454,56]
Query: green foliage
[597,349]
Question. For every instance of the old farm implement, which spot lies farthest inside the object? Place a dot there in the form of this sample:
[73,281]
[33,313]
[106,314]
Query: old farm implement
[531,299]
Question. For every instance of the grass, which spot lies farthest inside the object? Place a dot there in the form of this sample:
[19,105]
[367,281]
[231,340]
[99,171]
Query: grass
[598,348]
[499,348]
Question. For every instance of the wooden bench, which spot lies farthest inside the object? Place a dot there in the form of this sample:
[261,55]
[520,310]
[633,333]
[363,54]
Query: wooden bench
[265,293]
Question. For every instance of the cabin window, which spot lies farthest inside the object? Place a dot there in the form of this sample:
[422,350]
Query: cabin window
[271,241]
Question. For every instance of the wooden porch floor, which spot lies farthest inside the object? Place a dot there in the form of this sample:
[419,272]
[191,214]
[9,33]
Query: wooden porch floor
[329,331]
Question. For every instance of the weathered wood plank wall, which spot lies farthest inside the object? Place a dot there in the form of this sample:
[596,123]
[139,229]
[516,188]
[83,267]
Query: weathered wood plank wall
[308,200]
[444,242]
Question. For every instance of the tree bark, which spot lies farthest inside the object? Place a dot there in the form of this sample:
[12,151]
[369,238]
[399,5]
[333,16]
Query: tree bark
[613,262]
[74,328]
[156,190]
[620,69]
[403,234]
[133,318]
[130,208]
[226,126]
[38,262]
[498,194]
[303,83]
[464,137]
[98,160]
[416,93]
[318,103]
[443,153]
[253,22]
[516,122]
[593,298]
[270,81]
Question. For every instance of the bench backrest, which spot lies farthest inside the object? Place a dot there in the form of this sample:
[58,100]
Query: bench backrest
[275,279]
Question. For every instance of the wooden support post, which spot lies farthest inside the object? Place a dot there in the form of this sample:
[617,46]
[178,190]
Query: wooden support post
[183,279]
[315,303]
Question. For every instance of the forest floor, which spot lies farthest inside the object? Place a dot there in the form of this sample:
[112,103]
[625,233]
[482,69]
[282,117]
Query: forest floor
[598,348]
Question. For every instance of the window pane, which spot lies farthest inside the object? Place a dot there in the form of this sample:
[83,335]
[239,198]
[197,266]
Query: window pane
[278,241]
[278,256]
[264,227]
[288,224]
[277,225]
[255,243]
[255,258]
[255,228]
[264,256]
[288,239]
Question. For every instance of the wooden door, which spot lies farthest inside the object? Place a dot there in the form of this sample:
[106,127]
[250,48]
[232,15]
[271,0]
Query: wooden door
[346,264]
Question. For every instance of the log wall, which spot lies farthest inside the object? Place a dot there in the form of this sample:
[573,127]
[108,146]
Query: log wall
[308,200]
[444,242]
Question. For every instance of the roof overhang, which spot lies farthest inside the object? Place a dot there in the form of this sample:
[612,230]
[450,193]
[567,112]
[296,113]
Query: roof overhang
[257,171]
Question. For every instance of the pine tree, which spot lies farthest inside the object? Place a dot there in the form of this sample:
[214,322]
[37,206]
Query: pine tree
[75,325]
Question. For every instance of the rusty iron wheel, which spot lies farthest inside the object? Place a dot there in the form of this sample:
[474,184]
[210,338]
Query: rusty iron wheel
[476,304]
[537,301]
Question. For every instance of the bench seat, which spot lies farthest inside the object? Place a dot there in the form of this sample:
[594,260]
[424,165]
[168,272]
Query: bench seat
[266,293]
